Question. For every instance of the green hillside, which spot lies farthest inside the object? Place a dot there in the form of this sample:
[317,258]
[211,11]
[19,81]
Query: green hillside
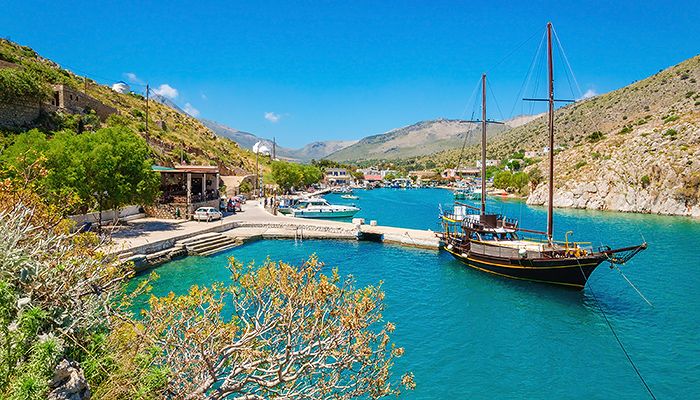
[171,135]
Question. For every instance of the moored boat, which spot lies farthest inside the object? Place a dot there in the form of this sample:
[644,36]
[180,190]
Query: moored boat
[321,208]
[492,243]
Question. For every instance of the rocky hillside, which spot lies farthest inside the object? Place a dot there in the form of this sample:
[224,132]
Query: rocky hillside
[171,135]
[319,150]
[314,150]
[422,138]
[636,149]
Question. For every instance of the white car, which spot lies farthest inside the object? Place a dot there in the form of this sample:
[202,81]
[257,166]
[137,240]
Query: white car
[207,214]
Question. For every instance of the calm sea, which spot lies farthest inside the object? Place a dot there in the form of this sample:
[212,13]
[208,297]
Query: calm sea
[468,334]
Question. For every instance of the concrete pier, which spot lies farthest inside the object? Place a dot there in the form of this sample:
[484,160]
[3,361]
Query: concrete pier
[148,236]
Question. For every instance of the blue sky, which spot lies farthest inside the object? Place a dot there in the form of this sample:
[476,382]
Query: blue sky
[326,70]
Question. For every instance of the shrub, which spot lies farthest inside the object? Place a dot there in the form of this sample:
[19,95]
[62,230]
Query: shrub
[19,84]
[595,155]
[625,129]
[580,164]
[595,136]
[645,181]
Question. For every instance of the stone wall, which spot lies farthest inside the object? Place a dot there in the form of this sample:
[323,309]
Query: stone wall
[167,211]
[170,210]
[75,102]
[18,115]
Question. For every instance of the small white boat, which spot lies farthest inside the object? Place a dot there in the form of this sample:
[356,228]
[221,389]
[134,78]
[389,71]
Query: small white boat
[349,197]
[320,208]
[342,189]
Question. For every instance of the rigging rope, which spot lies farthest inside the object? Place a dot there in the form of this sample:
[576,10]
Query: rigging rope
[566,60]
[617,338]
[493,95]
[528,76]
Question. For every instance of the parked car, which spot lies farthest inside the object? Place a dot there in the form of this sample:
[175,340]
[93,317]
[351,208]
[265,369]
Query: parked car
[207,214]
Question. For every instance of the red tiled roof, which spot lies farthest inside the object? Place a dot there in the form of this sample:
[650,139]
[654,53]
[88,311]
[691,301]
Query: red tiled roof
[373,177]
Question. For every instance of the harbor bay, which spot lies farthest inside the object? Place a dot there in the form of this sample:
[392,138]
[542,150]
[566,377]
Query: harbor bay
[467,328]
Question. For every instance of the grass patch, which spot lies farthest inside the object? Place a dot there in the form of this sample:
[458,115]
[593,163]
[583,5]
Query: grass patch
[580,164]
[625,129]
[671,118]
[671,133]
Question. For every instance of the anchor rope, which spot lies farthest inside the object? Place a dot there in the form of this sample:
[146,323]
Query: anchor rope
[617,338]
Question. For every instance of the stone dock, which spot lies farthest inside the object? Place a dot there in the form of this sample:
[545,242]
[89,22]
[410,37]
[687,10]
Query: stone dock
[150,241]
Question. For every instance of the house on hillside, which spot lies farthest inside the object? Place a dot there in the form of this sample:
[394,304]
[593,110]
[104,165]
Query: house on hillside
[185,188]
[489,163]
[338,176]
[460,173]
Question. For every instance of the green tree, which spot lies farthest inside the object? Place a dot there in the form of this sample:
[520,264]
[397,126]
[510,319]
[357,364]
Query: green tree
[106,169]
[519,182]
[389,177]
[287,175]
[246,187]
[310,174]
[536,176]
[503,180]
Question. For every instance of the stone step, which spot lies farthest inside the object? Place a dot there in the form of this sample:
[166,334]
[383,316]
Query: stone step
[205,248]
[220,249]
[164,253]
[123,256]
[198,238]
[199,246]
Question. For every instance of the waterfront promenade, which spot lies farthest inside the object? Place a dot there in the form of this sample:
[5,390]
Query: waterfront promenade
[149,235]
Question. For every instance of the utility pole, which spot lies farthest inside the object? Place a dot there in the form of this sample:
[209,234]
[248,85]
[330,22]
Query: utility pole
[147,92]
[257,170]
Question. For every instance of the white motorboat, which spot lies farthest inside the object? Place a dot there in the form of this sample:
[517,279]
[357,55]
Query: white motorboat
[321,208]
[349,197]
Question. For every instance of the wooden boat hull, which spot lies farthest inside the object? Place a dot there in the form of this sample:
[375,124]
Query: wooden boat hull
[569,272]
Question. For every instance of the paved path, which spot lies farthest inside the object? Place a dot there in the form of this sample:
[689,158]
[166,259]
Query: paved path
[150,234]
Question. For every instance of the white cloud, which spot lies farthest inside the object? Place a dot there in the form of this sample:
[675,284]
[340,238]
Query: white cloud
[166,91]
[189,109]
[132,78]
[272,117]
[589,93]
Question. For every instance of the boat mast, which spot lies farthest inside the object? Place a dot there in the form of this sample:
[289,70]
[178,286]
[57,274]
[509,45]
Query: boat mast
[483,144]
[550,208]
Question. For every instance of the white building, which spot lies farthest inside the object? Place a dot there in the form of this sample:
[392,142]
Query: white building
[489,163]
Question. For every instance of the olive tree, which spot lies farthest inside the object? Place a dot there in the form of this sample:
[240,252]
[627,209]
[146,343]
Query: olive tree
[276,331]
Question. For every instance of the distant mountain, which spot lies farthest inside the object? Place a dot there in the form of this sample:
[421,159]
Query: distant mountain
[166,101]
[315,150]
[244,139]
[318,150]
[420,139]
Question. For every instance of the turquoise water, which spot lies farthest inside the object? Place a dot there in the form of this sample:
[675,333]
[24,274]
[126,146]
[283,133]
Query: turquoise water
[468,334]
